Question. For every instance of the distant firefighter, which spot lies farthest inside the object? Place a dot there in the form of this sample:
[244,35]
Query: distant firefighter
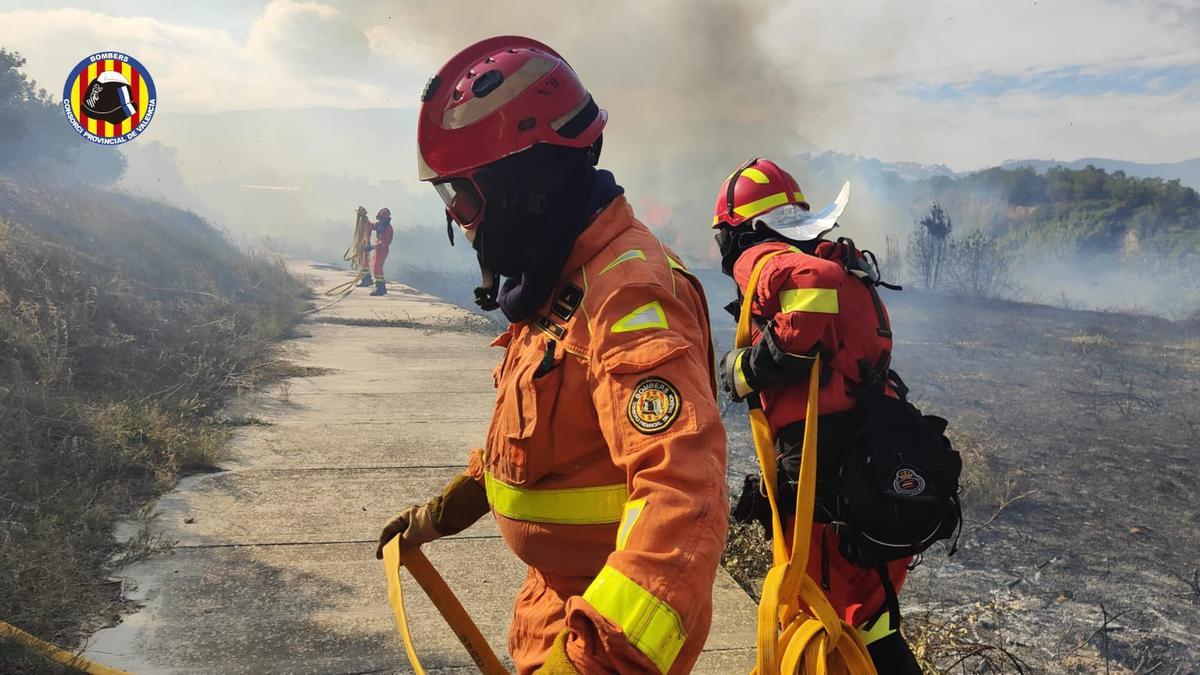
[359,253]
[383,241]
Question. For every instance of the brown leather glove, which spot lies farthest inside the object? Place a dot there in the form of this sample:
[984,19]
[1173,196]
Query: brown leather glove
[460,504]
[557,662]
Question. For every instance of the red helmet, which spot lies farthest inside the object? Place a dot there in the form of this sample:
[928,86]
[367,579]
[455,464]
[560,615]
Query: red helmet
[757,187]
[384,212]
[495,99]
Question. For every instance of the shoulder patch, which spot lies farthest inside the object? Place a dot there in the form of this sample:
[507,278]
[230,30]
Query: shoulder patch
[654,405]
[646,317]
[635,254]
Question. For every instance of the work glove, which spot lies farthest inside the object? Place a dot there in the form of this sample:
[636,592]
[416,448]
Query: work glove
[460,504]
[735,374]
[557,662]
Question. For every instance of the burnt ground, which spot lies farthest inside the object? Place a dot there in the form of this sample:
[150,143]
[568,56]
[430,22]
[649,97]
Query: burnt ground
[1079,430]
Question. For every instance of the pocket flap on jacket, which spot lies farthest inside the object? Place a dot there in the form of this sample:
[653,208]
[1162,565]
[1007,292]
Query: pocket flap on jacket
[644,353]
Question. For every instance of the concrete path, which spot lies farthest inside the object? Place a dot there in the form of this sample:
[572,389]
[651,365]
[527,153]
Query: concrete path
[274,570]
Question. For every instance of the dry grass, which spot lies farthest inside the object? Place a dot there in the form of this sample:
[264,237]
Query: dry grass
[747,556]
[124,326]
[968,639]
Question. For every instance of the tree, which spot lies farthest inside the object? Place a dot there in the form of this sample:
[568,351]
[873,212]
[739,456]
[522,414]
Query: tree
[978,266]
[35,140]
[927,246]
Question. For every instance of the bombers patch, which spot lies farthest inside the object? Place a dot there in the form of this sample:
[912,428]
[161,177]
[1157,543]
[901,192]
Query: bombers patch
[654,405]
[109,98]
[908,482]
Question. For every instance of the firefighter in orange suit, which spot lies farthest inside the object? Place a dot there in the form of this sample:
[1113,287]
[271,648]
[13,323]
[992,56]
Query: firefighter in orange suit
[816,298]
[383,242]
[605,459]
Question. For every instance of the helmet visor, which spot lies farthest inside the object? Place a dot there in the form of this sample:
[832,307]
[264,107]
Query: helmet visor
[464,201]
[795,222]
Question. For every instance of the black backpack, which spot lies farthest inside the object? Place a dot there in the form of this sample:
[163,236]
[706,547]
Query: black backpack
[896,492]
[887,479]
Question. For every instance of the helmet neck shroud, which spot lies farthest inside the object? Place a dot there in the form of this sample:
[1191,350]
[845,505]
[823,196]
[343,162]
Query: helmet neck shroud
[734,241]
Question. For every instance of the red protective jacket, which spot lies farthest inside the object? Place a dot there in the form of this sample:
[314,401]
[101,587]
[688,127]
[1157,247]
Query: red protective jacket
[815,304]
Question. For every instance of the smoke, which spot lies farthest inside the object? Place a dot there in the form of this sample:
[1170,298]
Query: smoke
[692,88]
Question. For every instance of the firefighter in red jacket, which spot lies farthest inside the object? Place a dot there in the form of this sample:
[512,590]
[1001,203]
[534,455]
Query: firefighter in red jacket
[811,300]
[383,241]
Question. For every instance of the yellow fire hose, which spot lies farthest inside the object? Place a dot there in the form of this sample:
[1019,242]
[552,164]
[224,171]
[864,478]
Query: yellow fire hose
[798,630]
[443,598]
[54,653]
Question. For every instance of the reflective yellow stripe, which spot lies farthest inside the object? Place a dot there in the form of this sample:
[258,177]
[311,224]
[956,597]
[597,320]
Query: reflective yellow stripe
[635,254]
[650,624]
[881,629]
[759,205]
[739,374]
[755,175]
[675,265]
[633,511]
[650,315]
[820,300]
[568,506]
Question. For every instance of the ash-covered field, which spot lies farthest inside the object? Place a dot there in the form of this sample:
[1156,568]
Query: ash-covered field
[1079,431]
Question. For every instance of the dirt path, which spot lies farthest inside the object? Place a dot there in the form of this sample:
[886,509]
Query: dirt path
[274,569]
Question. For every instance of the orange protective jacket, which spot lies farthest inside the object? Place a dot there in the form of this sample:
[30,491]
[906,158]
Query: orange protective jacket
[605,458]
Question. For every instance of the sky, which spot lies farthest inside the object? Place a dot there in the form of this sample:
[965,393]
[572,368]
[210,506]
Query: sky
[966,83]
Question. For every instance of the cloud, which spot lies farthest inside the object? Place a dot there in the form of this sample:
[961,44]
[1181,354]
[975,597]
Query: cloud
[294,55]
[308,38]
[710,81]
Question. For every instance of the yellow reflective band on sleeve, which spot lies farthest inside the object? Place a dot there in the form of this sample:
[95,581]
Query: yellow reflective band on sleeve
[881,629]
[739,374]
[759,205]
[820,300]
[755,175]
[633,511]
[676,265]
[568,506]
[650,315]
[650,624]
[635,254]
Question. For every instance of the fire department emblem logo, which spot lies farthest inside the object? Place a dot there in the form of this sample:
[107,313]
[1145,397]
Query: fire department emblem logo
[109,98]
[654,405]
[908,482]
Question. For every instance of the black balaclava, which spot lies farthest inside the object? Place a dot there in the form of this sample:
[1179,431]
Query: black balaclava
[537,203]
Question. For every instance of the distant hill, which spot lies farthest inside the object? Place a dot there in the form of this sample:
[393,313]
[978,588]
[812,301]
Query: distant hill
[1187,172]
